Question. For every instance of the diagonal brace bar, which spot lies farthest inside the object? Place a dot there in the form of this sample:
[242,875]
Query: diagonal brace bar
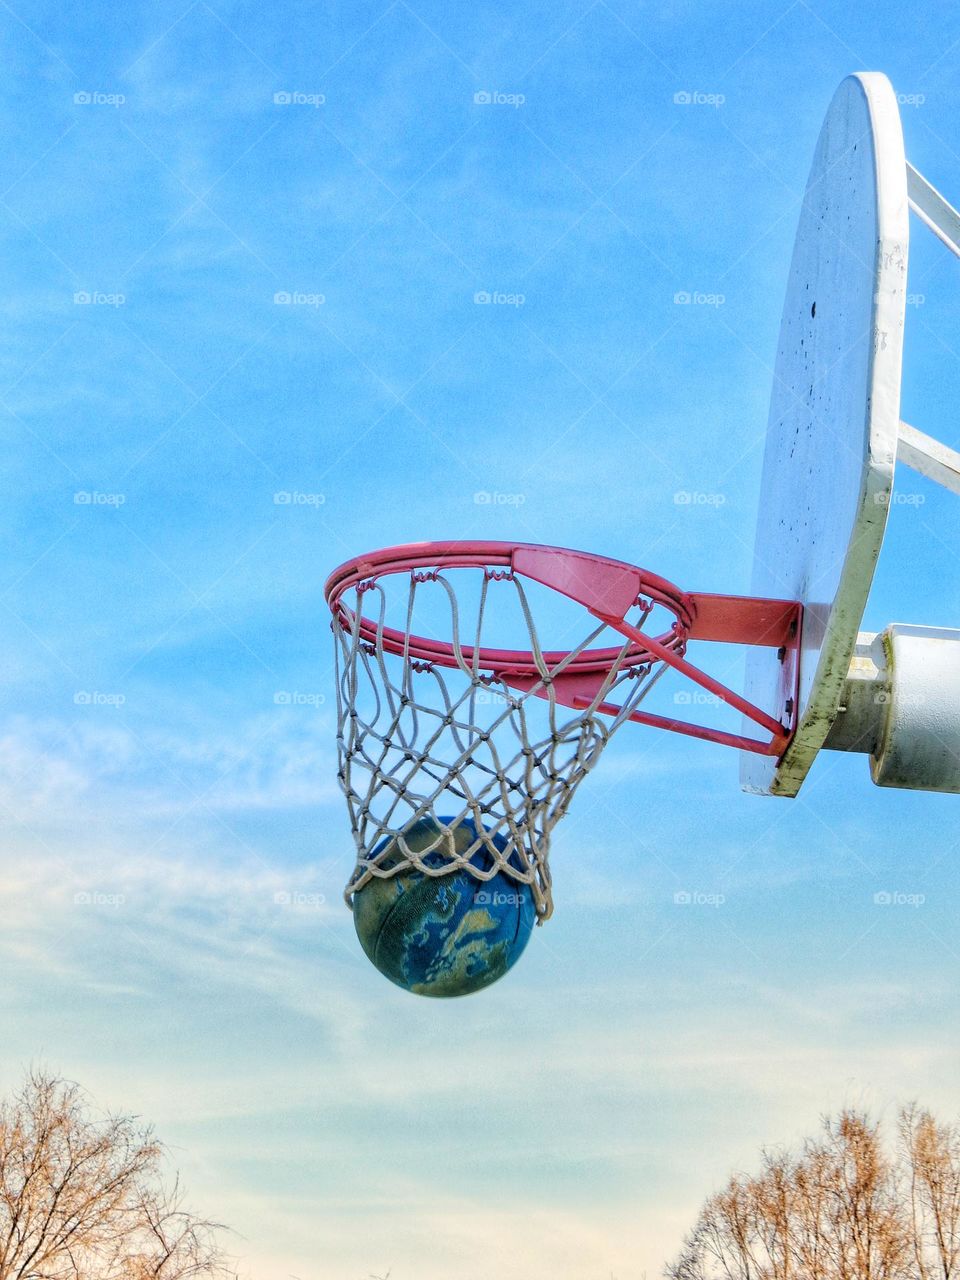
[780,734]
[929,457]
[931,208]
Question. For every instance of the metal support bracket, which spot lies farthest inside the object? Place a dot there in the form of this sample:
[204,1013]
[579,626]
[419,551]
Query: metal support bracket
[933,210]
[901,706]
[928,457]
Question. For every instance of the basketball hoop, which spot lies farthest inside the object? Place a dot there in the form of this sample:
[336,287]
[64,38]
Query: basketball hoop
[464,732]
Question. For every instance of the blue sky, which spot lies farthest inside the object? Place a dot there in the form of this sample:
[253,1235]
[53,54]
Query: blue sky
[568,1122]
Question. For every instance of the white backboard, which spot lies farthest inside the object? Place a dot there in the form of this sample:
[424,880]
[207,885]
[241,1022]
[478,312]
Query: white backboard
[834,414]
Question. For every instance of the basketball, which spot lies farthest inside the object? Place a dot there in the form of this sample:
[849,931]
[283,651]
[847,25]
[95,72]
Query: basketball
[443,935]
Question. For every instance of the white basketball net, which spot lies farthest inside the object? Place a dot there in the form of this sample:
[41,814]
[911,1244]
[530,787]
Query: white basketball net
[418,740]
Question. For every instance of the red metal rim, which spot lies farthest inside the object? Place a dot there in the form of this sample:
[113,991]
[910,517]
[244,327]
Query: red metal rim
[522,559]
[609,590]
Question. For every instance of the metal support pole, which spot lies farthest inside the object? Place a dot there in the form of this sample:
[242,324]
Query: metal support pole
[901,706]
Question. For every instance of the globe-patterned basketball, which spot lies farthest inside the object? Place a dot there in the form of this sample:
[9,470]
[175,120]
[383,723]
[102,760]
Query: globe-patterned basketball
[443,935]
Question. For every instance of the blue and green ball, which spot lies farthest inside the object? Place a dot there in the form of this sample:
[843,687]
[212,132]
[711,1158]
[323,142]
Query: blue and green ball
[444,935]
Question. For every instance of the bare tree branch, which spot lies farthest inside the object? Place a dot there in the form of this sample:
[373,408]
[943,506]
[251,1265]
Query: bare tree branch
[84,1198]
[842,1209]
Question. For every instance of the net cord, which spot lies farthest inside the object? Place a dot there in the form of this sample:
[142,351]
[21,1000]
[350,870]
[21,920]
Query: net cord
[418,741]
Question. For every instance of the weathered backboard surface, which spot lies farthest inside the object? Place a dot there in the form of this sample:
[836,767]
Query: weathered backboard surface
[834,414]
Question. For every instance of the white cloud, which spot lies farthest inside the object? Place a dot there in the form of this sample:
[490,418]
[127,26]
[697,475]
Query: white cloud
[54,770]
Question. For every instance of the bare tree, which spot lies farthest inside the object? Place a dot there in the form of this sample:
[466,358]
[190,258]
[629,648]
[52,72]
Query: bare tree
[843,1208]
[83,1198]
[931,1153]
